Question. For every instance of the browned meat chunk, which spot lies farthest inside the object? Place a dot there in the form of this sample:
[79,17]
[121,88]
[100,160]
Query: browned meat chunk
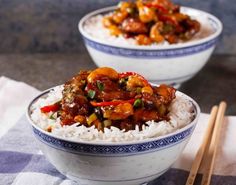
[74,101]
[131,25]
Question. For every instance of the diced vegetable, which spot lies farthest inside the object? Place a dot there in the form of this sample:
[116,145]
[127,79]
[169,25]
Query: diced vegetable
[50,108]
[138,103]
[91,94]
[100,86]
[91,119]
[53,116]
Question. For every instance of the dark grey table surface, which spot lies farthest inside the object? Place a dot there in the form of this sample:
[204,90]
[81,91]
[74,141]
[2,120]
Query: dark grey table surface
[215,82]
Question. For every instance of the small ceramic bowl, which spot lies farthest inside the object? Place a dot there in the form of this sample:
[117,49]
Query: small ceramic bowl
[128,163]
[170,64]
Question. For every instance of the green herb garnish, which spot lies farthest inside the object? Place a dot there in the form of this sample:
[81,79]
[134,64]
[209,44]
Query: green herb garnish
[53,116]
[138,103]
[91,94]
[100,86]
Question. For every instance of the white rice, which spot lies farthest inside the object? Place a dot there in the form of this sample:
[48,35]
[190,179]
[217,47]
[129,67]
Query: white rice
[181,114]
[94,27]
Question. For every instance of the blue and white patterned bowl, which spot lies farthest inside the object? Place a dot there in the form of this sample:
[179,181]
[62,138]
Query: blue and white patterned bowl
[128,163]
[170,64]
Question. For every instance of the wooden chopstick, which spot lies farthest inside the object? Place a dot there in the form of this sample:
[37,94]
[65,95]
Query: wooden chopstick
[211,154]
[201,150]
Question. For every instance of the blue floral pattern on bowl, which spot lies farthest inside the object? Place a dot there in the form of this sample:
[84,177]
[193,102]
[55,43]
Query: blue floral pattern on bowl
[113,150]
[138,53]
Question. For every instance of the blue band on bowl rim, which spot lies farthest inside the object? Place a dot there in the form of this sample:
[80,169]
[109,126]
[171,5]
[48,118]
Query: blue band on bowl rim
[113,150]
[150,54]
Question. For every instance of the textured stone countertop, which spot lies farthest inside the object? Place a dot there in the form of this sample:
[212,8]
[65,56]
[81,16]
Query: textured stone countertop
[215,82]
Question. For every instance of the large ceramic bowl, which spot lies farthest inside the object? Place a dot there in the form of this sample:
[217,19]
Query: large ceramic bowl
[129,163]
[171,64]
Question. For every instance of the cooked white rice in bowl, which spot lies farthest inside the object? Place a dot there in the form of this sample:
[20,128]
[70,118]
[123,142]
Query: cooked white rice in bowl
[181,112]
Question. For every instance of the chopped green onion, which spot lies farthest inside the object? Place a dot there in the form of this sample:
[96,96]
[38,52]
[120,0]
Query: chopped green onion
[53,116]
[138,103]
[91,94]
[100,86]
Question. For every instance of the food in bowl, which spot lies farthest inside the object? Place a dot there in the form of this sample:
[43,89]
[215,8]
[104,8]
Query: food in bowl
[104,105]
[159,62]
[151,21]
[145,22]
[98,154]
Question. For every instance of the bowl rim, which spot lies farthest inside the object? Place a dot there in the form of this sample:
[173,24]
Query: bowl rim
[158,47]
[106,143]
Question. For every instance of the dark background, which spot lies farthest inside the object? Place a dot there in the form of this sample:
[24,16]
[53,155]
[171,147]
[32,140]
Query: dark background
[32,26]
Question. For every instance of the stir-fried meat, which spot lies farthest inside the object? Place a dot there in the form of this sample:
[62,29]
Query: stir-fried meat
[166,93]
[104,98]
[119,112]
[131,25]
[74,101]
[108,89]
[127,125]
[146,115]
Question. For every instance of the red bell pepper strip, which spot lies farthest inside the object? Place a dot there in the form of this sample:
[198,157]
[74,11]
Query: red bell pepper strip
[111,103]
[50,108]
[126,74]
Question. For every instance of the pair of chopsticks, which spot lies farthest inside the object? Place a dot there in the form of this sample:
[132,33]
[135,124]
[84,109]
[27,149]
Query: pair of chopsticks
[213,129]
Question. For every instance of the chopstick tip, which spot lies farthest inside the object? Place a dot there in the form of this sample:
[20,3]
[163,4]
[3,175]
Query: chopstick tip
[223,103]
